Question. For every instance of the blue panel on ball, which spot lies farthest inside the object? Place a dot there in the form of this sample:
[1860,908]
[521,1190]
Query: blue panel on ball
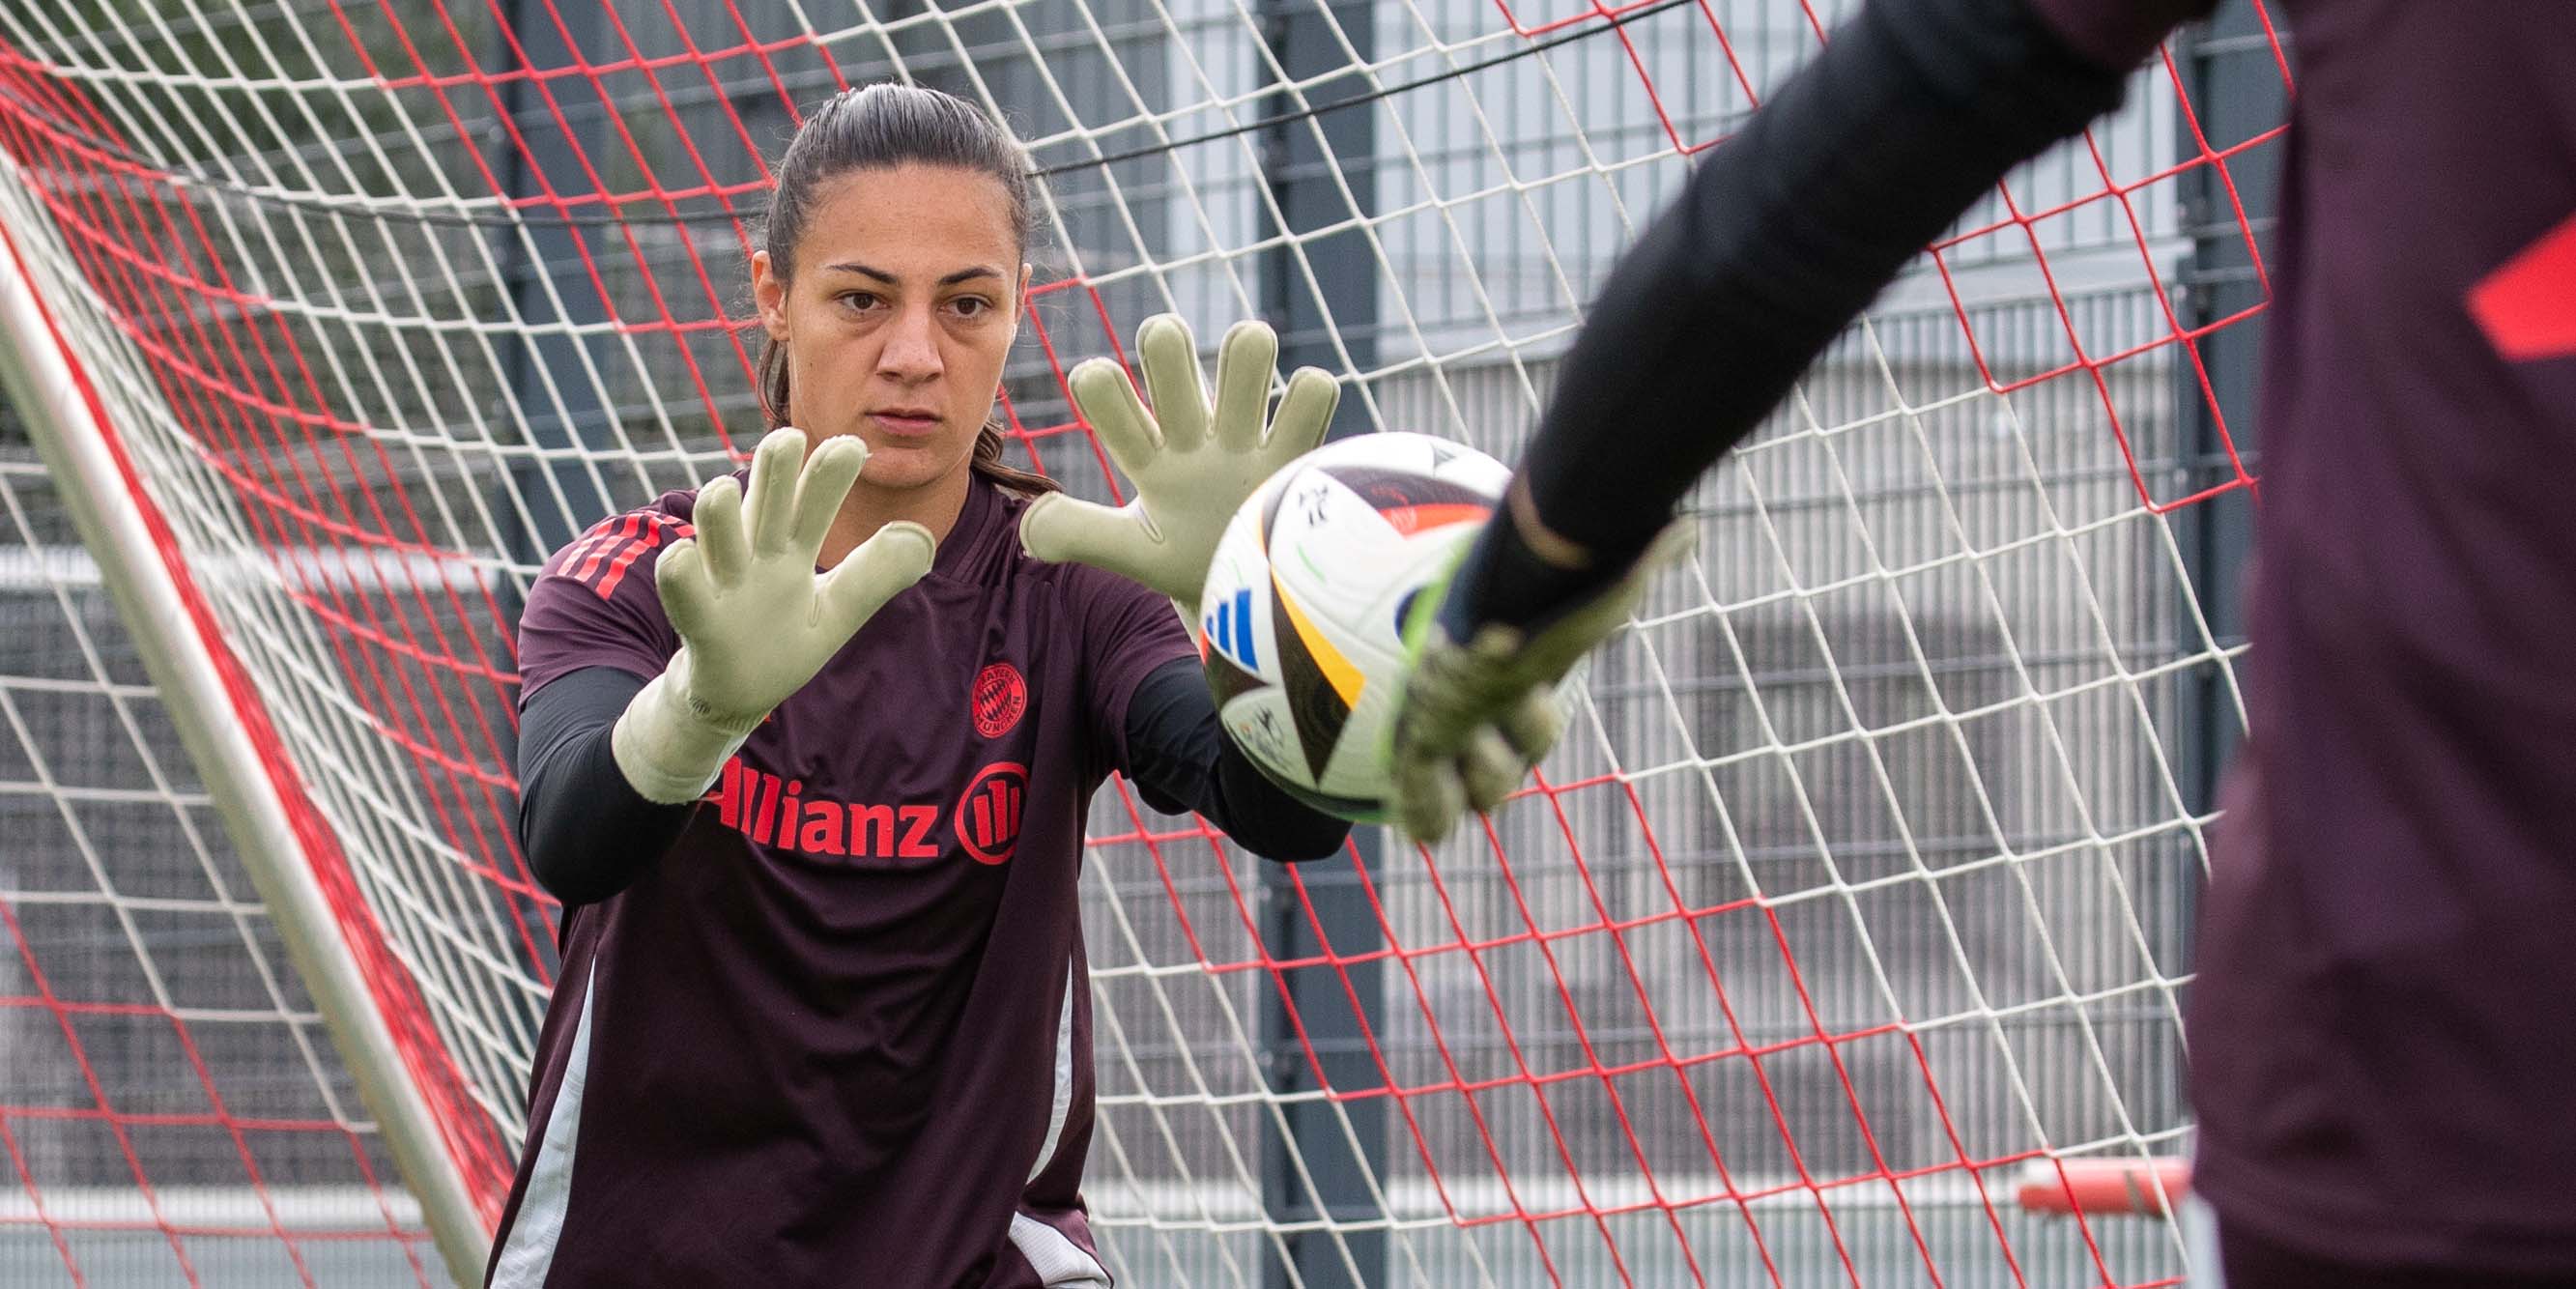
[1229,631]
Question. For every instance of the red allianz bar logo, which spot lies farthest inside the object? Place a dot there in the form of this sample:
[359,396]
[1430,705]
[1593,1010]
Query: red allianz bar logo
[771,811]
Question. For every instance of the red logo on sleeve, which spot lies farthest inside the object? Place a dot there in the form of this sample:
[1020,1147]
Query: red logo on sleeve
[2528,307]
[999,698]
[988,817]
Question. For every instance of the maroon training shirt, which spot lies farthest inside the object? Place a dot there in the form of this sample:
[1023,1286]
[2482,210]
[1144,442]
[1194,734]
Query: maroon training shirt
[841,1032]
[2383,1034]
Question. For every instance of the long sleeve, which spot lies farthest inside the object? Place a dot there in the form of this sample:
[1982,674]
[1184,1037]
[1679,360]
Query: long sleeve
[585,830]
[1180,759]
[1913,110]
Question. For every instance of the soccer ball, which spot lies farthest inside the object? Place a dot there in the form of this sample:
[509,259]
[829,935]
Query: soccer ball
[1302,627]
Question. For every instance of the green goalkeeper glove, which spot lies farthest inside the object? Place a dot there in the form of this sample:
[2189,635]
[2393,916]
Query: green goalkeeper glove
[1476,715]
[1192,465]
[755,620]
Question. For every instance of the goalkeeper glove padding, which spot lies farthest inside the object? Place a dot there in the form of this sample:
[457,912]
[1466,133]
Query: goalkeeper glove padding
[756,622]
[1477,714]
[1192,463]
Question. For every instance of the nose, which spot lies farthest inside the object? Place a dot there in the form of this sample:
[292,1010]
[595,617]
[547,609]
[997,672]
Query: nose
[911,352]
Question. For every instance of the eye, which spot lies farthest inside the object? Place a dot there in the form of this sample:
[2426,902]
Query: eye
[858,301]
[971,306]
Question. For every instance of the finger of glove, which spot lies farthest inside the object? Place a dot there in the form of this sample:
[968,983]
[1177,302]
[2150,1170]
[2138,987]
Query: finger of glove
[1057,528]
[1671,546]
[770,506]
[1442,703]
[1305,414]
[1489,768]
[1533,725]
[1428,799]
[1106,400]
[829,472]
[876,572]
[1169,356]
[718,521]
[688,596]
[1245,360]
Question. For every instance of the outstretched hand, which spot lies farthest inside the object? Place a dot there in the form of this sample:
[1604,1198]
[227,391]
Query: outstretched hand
[1476,715]
[1192,462]
[755,621]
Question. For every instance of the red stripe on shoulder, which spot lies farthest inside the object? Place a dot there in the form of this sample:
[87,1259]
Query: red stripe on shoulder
[663,529]
[628,529]
[569,559]
[605,550]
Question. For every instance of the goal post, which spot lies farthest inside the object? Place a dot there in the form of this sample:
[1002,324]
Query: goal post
[213,707]
[1842,941]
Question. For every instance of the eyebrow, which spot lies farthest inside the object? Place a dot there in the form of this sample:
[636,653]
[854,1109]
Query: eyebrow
[961,275]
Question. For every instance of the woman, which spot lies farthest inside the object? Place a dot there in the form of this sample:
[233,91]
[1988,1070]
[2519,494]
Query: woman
[823,1016]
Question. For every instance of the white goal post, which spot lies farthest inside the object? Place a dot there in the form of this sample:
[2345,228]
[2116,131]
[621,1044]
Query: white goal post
[62,411]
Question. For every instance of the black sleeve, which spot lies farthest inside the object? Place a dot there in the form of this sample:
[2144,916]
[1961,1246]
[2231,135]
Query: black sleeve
[1182,760]
[586,832]
[1912,111]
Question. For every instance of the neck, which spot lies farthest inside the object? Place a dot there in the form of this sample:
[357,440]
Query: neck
[868,508]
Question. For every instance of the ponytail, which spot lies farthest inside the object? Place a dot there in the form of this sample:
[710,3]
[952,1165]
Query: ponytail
[988,463]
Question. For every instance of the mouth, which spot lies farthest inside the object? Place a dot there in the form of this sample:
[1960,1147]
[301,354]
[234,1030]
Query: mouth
[905,422]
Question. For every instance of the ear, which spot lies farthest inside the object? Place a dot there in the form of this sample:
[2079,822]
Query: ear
[769,293]
[1020,300]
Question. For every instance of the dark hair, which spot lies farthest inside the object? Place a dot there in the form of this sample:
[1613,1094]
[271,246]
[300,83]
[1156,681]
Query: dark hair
[879,127]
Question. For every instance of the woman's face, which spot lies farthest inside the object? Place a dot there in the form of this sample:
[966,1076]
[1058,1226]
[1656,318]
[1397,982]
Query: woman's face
[905,298]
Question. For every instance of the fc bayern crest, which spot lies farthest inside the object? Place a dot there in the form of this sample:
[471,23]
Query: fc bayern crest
[999,698]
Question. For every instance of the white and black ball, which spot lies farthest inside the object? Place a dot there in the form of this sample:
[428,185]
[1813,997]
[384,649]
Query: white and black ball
[1303,614]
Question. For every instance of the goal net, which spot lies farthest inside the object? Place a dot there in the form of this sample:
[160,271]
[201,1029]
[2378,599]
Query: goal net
[1841,943]
[171,1111]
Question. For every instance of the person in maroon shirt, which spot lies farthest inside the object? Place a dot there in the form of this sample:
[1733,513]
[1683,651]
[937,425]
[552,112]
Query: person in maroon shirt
[823,1017]
[2382,1041]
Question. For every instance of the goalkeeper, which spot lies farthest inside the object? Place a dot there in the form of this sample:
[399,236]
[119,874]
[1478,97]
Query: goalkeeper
[807,755]
[2382,1054]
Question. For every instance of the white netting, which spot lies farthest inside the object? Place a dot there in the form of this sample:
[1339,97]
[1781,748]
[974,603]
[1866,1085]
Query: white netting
[170,1109]
[1862,884]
